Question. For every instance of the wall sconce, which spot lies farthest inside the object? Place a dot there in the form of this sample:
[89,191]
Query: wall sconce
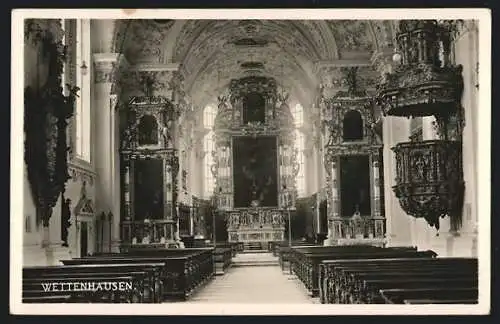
[84,68]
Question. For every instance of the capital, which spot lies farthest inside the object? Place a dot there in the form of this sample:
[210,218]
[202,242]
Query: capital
[107,66]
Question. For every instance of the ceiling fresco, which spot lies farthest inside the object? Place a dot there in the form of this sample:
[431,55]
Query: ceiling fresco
[211,53]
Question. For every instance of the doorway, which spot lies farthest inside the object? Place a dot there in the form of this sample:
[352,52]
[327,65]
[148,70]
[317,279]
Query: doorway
[83,239]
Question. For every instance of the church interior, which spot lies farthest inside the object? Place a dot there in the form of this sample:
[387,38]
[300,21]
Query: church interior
[306,161]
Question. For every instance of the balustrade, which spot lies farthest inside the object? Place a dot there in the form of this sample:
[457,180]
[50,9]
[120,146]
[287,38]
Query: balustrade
[150,232]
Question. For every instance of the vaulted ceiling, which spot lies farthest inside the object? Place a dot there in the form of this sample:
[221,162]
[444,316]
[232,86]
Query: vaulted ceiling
[212,52]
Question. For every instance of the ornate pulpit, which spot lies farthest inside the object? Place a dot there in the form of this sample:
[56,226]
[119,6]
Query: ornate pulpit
[429,179]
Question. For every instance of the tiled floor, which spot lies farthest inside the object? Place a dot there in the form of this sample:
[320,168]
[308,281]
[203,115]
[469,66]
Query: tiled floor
[253,284]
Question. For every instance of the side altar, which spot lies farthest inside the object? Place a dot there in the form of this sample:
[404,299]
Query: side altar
[254,160]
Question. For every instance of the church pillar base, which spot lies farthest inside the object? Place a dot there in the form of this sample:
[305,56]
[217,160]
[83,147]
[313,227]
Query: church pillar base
[55,252]
[115,246]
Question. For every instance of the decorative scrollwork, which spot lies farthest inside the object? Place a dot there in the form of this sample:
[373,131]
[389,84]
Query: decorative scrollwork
[430,179]
[47,111]
[429,175]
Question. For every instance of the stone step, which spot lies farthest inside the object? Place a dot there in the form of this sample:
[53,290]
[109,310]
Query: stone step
[255,263]
[254,251]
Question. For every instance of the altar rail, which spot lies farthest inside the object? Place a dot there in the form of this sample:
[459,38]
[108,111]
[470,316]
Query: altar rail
[154,231]
[348,231]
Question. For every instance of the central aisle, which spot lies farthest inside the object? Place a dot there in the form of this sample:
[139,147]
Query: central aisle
[247,281]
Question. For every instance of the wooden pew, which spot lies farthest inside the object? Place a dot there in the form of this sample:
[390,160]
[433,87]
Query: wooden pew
[234,246]
[283,251]
[305,261]
[438,295]
[185,270]
[39,290]
[361,281]
[143,278]
[223,259]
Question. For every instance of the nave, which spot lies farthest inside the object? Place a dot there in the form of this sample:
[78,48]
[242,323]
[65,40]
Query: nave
[254,278]
[253,161]
[352,274]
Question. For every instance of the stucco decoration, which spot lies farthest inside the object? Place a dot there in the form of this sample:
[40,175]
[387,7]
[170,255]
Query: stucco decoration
[210,52]
[352,36]
[145,39]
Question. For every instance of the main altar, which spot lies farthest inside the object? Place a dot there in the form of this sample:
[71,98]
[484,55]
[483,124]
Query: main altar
[254,160]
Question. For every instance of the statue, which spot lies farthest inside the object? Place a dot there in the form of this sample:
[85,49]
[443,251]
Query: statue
[167,130]
[65,219]
[357,223]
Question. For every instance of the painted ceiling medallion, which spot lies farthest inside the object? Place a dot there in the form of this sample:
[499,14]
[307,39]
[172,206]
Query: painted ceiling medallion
[250,27]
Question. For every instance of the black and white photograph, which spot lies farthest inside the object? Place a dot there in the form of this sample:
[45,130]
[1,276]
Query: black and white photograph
[250,162]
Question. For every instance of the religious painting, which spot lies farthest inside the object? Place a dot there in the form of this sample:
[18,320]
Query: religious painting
[148,130]
[355,185]
[148,185]
[254,108]
[255,173]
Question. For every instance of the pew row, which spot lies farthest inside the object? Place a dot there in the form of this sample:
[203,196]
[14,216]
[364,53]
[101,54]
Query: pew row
[93,283]
[184,272]
[305,261]
[399,281]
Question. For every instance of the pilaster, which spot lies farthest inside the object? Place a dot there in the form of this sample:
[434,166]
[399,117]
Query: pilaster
[107,67]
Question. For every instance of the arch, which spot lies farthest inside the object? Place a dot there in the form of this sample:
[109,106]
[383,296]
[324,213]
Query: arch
[120,29]
[352,126]
[170,42]
[148,130]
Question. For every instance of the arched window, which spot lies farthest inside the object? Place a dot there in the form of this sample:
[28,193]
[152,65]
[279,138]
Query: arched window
[208,146]
[209,117]
[352,126]
[298,115]
[80,61]
[300,179]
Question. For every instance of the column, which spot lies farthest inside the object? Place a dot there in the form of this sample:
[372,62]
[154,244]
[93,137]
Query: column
[168,186]
[106,67]
[334,226]
[395,130]
[126,190]
[398,223]
[377,216]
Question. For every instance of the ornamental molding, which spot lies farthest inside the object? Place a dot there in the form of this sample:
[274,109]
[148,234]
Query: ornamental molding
[38,30]
[108,66]
[81,171]
[154,67]
[318,66]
